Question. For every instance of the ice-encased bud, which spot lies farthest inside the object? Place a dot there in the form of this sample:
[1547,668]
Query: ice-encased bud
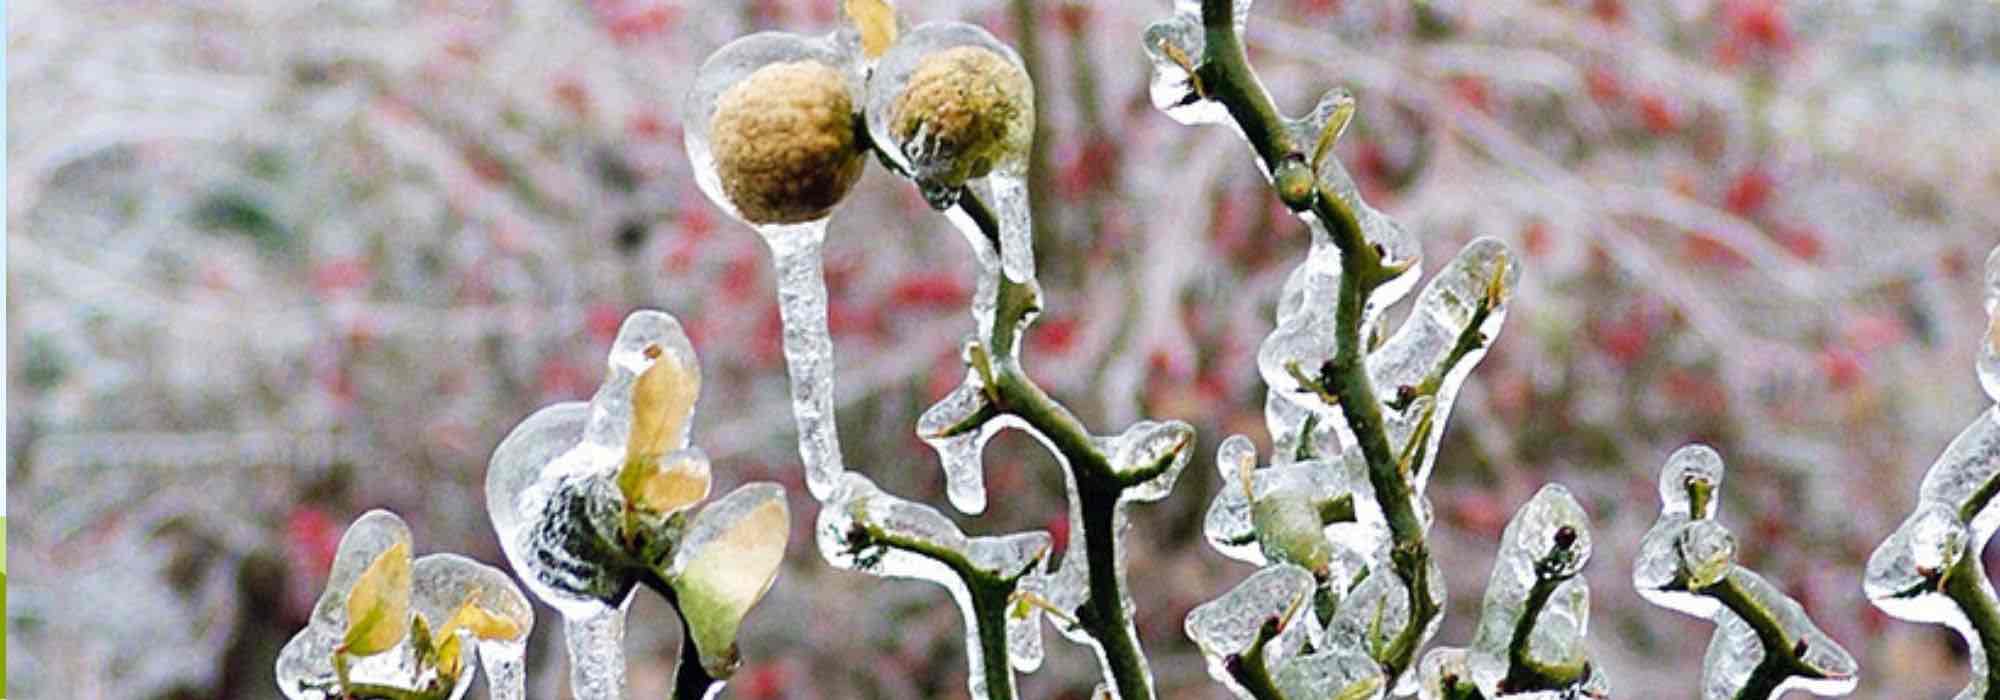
[1278,596]
[1444,674]
[1175,46]
[1377,611]
[1707,551]
[376,586]
[1905,574]
[770,128]
[725,563]
[1989,346]
[1691,469]
[950,104]
[1546,544]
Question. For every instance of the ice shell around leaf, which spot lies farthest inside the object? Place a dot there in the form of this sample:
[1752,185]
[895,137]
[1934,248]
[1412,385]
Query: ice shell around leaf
[1905,573]
[1176,45]
[445,584]
[1965,474]
[729,66]
[1657,569]
[645,338]
[1228,625]
[727,561]
[1707,553]
[378,606]
[1687,465]
[1149,445]
[1334,674]
[374,554]
[1378,610]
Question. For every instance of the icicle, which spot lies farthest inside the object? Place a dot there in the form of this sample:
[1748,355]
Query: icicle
[596,644]
[808,348]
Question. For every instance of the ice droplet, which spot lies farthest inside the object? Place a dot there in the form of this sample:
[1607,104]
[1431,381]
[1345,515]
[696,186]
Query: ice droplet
[1228,625]
[949,428]
[1149,447]
[1175,46]
[1690,467]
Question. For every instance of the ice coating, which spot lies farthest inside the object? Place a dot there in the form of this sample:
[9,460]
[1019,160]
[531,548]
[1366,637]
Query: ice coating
[851,531]
[1378,610]
[1175,46]
[1339,674]
[958,428]
[1546,545]
[439,584]
[1228,625]
[1905,575]
[724,564]
[729,66]
[1964,475]
[443,582]
[595,640]
[1442,672]
[1687,564]
[953,107]
[1989,342]
[1146,447]
[795,247]
[1469,295]
[1735,652]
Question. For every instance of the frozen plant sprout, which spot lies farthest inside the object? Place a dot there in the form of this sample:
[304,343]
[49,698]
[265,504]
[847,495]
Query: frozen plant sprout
[594,499]
[393,626]
[1929,569]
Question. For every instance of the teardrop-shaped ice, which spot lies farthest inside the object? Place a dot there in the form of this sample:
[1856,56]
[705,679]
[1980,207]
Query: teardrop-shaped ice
[1175,46]
[1545,545]
[1157,450]
[958,428]
[1906,573]
[1967,475]
[1690,468]
[442,584]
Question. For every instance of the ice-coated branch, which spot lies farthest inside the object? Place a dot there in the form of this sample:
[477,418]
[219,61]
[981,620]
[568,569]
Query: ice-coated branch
[1764,642]
[1383,403]
[1929,569]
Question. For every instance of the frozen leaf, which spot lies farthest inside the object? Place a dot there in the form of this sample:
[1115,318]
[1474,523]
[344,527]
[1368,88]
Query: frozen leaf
[1175,46]
[378,607]
[664,485]
[663,400]
[1158,451]
[875,22]
[728,560]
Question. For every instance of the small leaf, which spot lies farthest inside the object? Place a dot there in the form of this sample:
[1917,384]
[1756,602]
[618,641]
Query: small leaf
[666,485]
[722,577]
[876,21]
[482,623]
[450,657]
[378,606]
[662,400]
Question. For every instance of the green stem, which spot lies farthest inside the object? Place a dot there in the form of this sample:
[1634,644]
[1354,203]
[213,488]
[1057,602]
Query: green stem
[1226,77]
[1963,584]
[990,592]
[1783,655]
[1252,671]
[691,679]
[1524,672]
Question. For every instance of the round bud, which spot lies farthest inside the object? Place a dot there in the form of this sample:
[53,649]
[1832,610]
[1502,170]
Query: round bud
[784,142]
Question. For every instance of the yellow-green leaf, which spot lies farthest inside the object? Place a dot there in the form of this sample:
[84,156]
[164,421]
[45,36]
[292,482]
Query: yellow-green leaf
[378,606]
[728,576]
[662,399]
[876,21]
[450,657]
[482,623]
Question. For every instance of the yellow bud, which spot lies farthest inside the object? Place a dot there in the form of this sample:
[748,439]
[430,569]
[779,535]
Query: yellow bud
[784,141]
[964,110]
[662,400]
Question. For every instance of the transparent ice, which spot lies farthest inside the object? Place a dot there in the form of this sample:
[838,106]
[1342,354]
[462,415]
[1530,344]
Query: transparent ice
[1687,554]
[1989,345]
[1228,625]
[918,532]
[1281,515]
[795,248]
[1964,476]
[1905,575]
[439,584]
[715,537]
[1340,674]
[950,428]
[1546,544]
[1377,611]
[1147,445]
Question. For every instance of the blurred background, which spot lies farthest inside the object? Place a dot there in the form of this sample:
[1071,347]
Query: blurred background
[277,263]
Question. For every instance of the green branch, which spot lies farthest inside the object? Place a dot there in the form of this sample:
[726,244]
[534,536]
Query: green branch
[1962,585]
[1251,670]
[1225,76]
[990,592]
